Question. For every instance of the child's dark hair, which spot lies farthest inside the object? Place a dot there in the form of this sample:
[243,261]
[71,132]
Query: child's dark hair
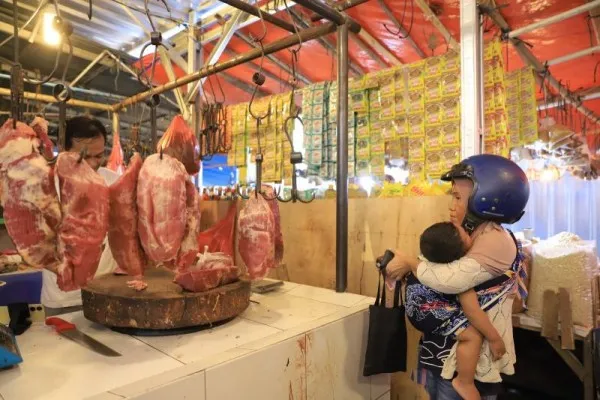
[441,243]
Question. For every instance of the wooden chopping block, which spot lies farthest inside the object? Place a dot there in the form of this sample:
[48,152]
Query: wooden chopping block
[567,338]
[550,315]
[163,305]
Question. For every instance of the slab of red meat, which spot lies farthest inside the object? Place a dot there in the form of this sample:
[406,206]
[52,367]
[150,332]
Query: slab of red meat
[161,200]
[256,237]
[274,205]
[189,245]
[219,237]
[31,210]
[115,160]
[40,126]
[84,199]
[180,142]
[211,271]
[16,143]
[123,226]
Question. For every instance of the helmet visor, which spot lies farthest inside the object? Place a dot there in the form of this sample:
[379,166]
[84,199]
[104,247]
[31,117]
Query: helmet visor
[459,171]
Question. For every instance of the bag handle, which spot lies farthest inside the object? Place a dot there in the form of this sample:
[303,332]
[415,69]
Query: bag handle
[380,299]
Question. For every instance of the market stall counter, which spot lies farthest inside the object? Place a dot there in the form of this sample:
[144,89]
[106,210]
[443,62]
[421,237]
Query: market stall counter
[298,342]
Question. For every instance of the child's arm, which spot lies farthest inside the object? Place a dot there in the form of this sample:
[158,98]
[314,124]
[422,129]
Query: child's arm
[480,321]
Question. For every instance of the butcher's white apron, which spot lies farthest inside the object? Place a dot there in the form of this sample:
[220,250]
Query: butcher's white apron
[52,296]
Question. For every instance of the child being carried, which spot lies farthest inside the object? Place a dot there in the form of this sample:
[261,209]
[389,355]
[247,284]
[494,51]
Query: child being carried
[444,243]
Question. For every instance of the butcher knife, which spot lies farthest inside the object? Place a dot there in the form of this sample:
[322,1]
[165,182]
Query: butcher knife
[71,332]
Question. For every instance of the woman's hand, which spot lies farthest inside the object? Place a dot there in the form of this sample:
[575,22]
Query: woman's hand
[400,265]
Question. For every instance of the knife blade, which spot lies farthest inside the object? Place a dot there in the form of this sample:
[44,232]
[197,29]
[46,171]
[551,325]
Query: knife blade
[71,332]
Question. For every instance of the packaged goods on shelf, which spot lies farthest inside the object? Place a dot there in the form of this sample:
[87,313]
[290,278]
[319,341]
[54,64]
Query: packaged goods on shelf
[564,261]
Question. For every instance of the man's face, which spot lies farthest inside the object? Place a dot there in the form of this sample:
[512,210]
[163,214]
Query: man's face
[95,150]
[461,191]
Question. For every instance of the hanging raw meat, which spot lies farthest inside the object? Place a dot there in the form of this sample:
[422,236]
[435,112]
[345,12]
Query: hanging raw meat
[84,199]
[189,245]
[40,126]
[219,237]
[161,200]
[16,143]
[211,271]
[31,207]
[115,160]
[123,226]
[180,142]
[257,233]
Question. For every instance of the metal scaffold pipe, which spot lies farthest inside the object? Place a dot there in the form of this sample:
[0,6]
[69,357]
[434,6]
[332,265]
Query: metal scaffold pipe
[341,210]
[292,40]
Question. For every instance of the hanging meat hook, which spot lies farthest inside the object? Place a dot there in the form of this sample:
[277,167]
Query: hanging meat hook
[295,157]
[82,155]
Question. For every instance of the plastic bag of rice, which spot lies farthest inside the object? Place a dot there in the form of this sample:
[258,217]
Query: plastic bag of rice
[564,261]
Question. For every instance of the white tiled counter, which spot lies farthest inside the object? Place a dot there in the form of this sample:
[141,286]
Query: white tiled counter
[297,343]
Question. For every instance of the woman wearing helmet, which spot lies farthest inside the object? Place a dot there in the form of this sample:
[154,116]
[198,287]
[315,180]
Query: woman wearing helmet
[487,191]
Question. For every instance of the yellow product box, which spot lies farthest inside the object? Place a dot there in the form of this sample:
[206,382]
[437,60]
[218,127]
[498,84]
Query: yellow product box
[362,168]
[416,73]
[498,72]
[374,99]
[490,146]
[529,133]
[416,170]
[400,77]
[416,148]
[450,83]
[387,111]
[358,101]
[400,105]
[488,99]
[513,124]
[433,113]
[488,73]
[451,61]
[433,66]
[500,125]
[433,137]
[388,130]
[499,96]
[528,118]
[401,125]
[514,138]
[363,148]
[488,51]
[362,126]
[416,101]
[433,89]
[450,109]
[489,127]
[371,80]
[355,84]
[450,133]
[433,166]
[511,81]
[392,190]
[387,84]
[450,157]
[416,124]
[397,148]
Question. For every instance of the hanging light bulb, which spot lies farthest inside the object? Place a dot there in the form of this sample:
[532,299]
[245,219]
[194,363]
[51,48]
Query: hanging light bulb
[51,34]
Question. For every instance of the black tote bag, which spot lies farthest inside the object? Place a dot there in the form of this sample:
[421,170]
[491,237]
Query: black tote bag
[386,342]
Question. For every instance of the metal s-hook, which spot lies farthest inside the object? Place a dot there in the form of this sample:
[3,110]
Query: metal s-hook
[82,155]
[295,159]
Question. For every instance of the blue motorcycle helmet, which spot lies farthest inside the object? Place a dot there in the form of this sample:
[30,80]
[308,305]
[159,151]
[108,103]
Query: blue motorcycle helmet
[500,189]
